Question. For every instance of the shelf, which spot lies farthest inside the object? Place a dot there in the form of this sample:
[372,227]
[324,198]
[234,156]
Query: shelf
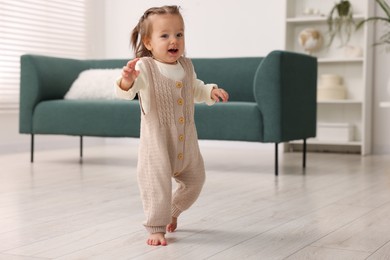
[340,60]
[384,104]
[319,142]
[316,19]
[343,101]
[306,19]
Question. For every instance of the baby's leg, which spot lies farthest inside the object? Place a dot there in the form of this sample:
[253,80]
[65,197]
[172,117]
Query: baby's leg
[157,239]
[171,227]
[190,184]
[156,193]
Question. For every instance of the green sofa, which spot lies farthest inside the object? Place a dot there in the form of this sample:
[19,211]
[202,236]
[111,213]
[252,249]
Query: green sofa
[272,99]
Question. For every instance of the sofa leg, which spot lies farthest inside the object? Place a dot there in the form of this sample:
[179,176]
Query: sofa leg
[304,153]
[81,148]
[32,149]
[276,160]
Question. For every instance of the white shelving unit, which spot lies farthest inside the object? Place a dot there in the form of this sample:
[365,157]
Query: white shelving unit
[356,72]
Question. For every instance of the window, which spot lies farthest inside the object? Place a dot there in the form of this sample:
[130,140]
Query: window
[44,27]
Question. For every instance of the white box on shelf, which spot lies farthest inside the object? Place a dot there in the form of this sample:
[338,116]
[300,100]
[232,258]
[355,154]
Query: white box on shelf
[341,132]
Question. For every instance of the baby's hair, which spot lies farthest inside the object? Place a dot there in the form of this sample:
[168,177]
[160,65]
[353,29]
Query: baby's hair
[143,28]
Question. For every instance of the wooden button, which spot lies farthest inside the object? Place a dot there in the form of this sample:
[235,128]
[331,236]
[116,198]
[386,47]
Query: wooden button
[181,138]
[180,101]
[181,120]
[179,84]
[180,156]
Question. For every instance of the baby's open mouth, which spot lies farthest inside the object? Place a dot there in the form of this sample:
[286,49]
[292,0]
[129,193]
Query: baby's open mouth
[173,50]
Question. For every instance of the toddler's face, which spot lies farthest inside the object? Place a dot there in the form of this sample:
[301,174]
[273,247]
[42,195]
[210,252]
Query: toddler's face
[166,41]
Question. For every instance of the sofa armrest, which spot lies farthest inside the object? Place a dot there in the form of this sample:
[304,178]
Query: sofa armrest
[285,89]
[44,78]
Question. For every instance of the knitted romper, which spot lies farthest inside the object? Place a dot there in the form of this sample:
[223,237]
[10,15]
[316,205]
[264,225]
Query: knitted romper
[168,148]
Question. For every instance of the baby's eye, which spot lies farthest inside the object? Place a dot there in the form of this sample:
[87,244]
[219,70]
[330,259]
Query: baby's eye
[179,35]
[165,36]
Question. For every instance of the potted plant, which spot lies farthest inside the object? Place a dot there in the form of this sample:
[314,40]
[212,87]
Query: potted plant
[385,38]
[340,22]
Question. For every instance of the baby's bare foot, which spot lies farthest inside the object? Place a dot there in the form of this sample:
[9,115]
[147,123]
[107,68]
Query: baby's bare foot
[173,225]
[157,239]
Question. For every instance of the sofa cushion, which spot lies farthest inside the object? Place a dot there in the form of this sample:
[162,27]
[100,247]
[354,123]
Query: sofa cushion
[229,121]
[113,118]
[120,118]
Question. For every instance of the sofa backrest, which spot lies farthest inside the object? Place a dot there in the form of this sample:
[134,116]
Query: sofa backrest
[106,64]
[235,75]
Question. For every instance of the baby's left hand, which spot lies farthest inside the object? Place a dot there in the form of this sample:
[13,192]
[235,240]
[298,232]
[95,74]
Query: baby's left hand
[219,94]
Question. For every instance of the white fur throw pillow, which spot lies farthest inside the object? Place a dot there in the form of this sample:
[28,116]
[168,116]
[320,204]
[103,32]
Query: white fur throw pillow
[94,84]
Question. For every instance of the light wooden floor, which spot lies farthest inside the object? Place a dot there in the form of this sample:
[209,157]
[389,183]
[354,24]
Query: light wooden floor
[57,208]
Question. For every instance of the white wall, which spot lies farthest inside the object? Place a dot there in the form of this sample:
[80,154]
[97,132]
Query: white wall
[96,33]
[10,139]
[214,28]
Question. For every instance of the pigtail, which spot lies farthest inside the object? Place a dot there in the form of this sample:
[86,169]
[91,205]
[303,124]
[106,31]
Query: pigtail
[137,35]
[134,40]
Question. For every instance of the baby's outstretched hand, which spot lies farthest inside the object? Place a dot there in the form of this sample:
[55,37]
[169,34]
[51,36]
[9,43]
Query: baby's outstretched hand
[129,74]
[219,94]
